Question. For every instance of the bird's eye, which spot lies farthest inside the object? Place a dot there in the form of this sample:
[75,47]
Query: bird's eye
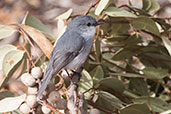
[88,24]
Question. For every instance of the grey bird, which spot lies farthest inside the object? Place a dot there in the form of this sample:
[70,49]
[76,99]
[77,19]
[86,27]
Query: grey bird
[71,49]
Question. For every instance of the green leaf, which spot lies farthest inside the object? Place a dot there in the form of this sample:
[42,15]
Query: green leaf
[167,44]
[145,23]
[146,4]
[156,73]
[11,103]
[116,38]
[150,5]
[108,101]
[36,23]
[157,59]
[135,109]
[129,75]
[4,94]
[65,15]
[101,6]
[133,39]
[112,85]
[4,50]
[116,12]
[11,59]
[120,54]
[120,29]
[5,31]
[138,86]
[11,62]
[157,104]
[97,74]
[86,82]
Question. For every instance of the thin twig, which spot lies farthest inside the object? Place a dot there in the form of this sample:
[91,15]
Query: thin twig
[101,17]
[91,6]
[155,80]
[50,107]
[24,47]
[59,85]
[98,32]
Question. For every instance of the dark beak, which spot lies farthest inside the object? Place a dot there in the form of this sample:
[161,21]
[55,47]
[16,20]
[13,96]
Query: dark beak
[99,23]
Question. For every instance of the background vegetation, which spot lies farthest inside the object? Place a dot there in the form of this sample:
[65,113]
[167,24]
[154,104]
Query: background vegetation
[128,69]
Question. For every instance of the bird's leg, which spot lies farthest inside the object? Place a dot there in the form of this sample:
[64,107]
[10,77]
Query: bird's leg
[76,76]
[69,76]
[74,72]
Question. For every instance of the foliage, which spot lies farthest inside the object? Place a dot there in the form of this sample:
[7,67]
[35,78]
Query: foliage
[129,67]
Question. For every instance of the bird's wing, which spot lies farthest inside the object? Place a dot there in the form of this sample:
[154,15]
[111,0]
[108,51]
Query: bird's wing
[64,52]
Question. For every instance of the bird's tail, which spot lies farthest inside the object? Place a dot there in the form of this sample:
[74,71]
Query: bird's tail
[47,77]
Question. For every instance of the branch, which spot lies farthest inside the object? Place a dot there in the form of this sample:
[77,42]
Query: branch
[72,93]
[91,6]
[50,107]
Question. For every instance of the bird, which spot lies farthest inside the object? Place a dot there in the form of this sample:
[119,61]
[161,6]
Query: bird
[71,49]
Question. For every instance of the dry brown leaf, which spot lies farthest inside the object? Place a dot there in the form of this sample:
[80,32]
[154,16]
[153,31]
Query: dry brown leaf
[38,38]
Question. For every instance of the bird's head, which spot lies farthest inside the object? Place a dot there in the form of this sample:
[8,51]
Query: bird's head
[84,24]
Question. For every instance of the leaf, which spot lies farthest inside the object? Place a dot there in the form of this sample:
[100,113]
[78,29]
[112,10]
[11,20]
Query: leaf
[4,50]
[135,109]
[36,23]
[108,101]
[120,54]
[146,4]
[101,6]
[138,86]
[65,15]
[145,23]
[167,44]
[61,29]
[11,103]
[38,38]
[4,94]
[11,62]
[86,82]
[97,74]
[160,60]
[133,39]
[157,104]
[111,85]
[120,29]
[150,5]
[116,38]
[11,59]
[5,31]
[156,73]
[116,12]
[129,75]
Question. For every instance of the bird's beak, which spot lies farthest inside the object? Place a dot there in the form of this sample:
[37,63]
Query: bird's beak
[99,23]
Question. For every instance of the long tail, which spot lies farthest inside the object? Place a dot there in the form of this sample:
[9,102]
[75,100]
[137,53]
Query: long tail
[46,79]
